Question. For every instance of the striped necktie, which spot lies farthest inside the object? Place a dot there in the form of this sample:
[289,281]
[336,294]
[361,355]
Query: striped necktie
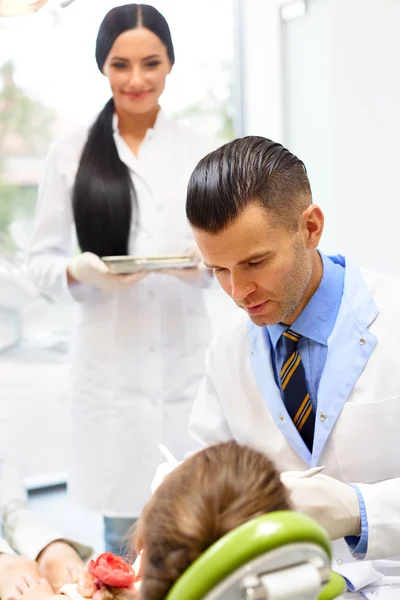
[294,386]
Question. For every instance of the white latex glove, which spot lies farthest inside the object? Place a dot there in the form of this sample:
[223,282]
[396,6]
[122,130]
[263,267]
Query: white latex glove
[90,269]
[192,275]
[333,504]
[162,471]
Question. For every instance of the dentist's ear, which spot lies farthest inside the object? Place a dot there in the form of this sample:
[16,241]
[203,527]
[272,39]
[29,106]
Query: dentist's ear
[312,225]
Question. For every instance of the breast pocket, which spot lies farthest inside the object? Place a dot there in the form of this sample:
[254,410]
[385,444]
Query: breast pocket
[367,441]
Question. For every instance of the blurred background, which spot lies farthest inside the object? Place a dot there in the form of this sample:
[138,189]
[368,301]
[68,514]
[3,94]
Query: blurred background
[316,75]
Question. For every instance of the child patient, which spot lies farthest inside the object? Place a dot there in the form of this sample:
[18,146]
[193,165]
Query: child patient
[208,495]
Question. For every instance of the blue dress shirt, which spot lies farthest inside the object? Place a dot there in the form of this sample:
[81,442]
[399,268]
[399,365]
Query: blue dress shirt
[315,324]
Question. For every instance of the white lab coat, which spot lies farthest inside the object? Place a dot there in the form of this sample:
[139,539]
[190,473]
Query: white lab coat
[137,355]
[358,415]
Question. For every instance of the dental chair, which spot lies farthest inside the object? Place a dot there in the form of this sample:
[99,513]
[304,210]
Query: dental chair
[279,556]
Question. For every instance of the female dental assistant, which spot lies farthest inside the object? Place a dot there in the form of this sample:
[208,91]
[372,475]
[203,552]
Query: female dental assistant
[137,352]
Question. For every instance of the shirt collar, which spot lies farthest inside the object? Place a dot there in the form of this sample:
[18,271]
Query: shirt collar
[318,317]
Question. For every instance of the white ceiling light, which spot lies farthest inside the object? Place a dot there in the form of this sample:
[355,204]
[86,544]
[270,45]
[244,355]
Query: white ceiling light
[18,8]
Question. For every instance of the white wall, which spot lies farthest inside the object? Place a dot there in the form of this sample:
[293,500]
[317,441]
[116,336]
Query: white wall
[306,58]
[327,86]
[258,25]
[366,129]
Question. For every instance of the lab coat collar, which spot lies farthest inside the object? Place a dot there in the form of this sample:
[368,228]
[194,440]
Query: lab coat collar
[357,293]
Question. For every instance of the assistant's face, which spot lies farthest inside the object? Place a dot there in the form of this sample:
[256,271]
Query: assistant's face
[137,67]
[263,266]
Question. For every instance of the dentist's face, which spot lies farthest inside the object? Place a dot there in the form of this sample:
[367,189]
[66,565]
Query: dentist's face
[137,67]
[265,268]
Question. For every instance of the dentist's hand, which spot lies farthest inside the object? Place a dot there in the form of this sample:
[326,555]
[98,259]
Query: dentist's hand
[90,269]
[333,504]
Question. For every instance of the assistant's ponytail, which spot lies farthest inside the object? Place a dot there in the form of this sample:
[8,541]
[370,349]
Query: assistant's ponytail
[103,195]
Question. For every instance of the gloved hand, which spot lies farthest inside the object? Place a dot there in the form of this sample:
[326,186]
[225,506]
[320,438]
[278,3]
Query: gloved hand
[90,269]
[162,471]
[191,275]
[333,504]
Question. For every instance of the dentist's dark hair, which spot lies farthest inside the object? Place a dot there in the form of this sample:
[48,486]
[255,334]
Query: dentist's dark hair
[249,169]
[104,200]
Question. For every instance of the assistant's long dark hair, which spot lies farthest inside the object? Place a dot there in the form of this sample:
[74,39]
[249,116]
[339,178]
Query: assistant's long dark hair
[104,199]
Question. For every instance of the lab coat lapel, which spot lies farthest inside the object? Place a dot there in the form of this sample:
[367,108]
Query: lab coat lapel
[349,348]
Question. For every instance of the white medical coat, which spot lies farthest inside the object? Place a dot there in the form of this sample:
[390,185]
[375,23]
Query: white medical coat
[357,431]
[137,355]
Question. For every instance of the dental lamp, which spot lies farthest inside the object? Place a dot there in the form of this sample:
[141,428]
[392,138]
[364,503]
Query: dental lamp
[19,8]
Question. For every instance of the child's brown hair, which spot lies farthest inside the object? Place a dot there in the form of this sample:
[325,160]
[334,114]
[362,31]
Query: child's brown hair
[208,495]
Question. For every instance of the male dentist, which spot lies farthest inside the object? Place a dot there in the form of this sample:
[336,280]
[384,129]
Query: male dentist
[308,370]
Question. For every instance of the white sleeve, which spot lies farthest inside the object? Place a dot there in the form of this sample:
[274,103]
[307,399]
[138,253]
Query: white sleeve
[382,504]
[51,243]
[207,423]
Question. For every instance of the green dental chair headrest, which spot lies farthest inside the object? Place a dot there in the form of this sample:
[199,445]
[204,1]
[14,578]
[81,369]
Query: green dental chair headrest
[267,544]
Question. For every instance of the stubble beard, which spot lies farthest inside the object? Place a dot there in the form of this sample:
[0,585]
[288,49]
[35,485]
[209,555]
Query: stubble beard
[293,290]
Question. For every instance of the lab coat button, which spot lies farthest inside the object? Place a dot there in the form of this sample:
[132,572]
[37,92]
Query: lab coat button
[281,419]
[339,561]
[323,416]
[362,341]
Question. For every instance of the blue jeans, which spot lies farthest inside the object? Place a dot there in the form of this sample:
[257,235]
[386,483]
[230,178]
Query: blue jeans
[116,535]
